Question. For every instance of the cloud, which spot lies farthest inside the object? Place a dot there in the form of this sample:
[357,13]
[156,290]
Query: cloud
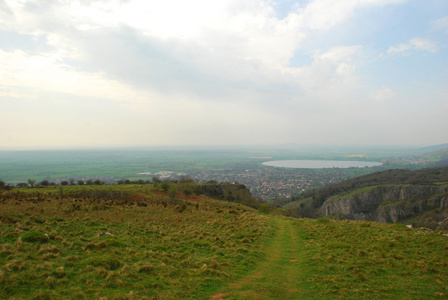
[212,51]
[240,57]
[48,73]
[198,71]
[440,24]
[415,44]
[383,94]
[4,8]
[331,75]
[325,14]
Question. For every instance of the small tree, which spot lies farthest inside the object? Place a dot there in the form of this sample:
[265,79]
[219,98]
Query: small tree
[65,182]
[44,183]
[173,194]
[165,186]
[71,181]
[186,179]
[229,196]
[2,184]
[187,192]
[198,190]
[80,182]
[31,182]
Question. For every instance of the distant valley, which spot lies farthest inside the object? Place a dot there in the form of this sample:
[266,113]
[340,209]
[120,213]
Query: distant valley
[242,165]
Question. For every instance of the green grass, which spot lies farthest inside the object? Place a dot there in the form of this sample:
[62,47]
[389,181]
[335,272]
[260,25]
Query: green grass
[355,259]
[132,242]
[297,203]
[18,166]
[353,193]
[327,259]
[279,274]
[152,250]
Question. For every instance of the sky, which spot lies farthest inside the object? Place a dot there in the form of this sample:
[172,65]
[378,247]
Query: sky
[114,73]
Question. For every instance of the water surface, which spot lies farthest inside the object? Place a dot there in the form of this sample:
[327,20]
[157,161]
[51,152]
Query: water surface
[320,164]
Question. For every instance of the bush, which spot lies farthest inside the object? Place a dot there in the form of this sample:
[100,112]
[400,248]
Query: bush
[44,183]
[165,186]
[265,208]
[188,192]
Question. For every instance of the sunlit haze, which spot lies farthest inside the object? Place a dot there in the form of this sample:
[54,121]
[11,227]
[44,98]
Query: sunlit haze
[149,73]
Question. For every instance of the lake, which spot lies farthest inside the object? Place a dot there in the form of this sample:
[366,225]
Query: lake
[320,164]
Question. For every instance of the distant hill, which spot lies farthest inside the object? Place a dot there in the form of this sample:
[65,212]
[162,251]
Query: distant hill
[438,157]
[435,147]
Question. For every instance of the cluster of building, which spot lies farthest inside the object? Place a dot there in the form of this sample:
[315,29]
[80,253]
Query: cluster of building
[264,183]
[272,183]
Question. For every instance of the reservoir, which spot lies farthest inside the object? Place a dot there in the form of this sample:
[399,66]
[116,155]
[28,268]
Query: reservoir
[320,164]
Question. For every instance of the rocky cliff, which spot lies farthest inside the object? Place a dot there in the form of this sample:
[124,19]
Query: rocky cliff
[387,203]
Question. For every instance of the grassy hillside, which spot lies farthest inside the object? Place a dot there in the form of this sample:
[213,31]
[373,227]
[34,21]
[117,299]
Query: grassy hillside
[119,241]
[131,242]
[369,260]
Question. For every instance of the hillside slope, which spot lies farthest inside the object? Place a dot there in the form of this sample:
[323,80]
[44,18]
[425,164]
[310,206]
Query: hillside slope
[387,203]
[388,196]
[327,259]
[122,242]
[136,242]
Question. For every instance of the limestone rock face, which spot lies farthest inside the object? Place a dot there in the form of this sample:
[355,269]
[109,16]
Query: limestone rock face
[387,203]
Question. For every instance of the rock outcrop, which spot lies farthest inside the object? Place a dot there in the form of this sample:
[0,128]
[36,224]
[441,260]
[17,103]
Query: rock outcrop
[388,203]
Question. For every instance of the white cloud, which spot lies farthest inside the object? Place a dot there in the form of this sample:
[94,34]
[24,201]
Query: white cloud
[424,44]
[331,75]
[48,73]
[202,71]
[324,14]
[441,24]
[415,44]
[383,94]
[247,30]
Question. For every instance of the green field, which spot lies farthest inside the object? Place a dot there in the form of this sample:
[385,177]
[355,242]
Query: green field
[137,242]
[18,166]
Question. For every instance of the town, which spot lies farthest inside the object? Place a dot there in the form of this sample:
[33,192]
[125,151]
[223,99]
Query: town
[273,183]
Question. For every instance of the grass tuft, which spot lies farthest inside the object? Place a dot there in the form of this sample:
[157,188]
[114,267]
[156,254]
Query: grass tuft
[35,237]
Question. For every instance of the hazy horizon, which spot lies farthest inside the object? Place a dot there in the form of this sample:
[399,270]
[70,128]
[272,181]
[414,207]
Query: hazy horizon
[288,146]
[113,74]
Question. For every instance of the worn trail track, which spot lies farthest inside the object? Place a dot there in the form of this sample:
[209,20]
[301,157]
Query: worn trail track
[280,275]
